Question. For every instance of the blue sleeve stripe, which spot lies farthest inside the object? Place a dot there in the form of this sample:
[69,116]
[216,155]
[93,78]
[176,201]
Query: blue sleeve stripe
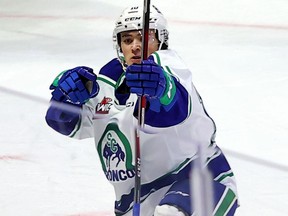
[178,112]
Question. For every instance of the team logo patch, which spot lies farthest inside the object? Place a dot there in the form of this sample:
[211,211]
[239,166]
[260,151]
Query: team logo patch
[104,106]
[115,154]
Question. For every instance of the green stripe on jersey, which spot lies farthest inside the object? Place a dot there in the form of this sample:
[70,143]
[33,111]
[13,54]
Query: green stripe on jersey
[226,202]
[158,61]
[107,80]
[120,80]
[170,90]
[222,176]
[168,70]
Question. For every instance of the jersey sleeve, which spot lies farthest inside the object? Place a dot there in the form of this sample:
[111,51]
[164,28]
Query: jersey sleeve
[97,112]
[179,107]
[77,121]
[62,117]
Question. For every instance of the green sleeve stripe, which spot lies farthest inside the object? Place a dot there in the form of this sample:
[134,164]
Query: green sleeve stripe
[225,204]
[166,100]
[158,61]
[169,70]
[106,80]
[170,90]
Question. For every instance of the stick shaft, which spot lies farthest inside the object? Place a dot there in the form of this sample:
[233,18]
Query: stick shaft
[141,112]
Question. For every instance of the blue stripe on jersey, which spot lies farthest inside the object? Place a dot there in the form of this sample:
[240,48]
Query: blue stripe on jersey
[182,172]
[177,113]
[180,194]
[112,69]
[219,166]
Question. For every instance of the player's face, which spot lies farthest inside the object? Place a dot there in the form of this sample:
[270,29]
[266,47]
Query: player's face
[131,45]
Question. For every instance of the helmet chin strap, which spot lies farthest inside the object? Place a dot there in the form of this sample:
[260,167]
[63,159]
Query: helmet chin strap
[121,58]
[160,45]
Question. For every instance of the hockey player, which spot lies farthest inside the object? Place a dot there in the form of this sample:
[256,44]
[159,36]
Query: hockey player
[176,122]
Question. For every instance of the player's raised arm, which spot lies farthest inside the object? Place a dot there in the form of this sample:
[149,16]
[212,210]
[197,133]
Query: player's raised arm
[70,90]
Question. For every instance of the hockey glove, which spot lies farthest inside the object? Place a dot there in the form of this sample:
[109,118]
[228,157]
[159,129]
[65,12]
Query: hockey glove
[75,86]
[150,80]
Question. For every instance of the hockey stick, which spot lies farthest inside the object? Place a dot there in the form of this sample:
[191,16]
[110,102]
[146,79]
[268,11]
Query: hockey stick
[141,111]
[201,185]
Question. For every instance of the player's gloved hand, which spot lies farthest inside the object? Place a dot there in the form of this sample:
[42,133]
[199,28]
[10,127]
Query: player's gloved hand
[146,79]
[75,86]
[150,80]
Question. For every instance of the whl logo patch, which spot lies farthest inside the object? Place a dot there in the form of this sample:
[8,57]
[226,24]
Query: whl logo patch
[115,154]
[104,106]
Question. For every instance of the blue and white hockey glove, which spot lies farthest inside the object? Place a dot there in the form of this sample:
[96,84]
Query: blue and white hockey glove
[150,80]
[75,86]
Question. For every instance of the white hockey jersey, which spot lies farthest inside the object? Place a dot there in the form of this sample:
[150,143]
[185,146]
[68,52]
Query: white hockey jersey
[166,151]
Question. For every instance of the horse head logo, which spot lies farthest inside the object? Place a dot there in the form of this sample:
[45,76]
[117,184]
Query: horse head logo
[112,151]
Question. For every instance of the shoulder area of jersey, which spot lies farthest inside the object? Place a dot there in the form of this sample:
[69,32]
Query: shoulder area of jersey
[168,58]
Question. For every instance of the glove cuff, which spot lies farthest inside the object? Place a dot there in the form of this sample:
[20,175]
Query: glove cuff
[95,89]
[168,98]
[55,82]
